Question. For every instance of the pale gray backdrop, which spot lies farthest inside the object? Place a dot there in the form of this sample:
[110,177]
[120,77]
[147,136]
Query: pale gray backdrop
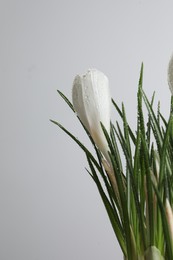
[49,206]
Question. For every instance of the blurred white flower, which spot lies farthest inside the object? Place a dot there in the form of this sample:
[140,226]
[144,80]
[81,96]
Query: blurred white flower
[170,74]
[169,215]
[153,253]
[92,101]
[157,162]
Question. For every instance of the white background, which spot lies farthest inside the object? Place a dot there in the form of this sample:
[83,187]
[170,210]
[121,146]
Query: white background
[49,207]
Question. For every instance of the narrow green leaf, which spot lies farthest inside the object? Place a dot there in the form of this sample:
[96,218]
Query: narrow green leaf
[141,76]
[163,156]
[169,251]
[155,126]
[148,133]
[149,192]
[128,147]
[66,100]
[163,119]
[115,148]
[113,216]
[134,188]
[99,167]
[146,165]
[121,115]
[124,209]
[78,142]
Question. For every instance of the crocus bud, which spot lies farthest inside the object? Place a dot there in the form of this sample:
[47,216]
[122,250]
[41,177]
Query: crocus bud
[152,253]
[92,101]
[170,75]
[157,163]
[169,215]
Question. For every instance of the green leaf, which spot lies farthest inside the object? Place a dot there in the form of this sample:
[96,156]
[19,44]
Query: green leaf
[113,215]
[121,115]
[78,142]
[125,220]
[145,162]
[154,123]
[66,100]
[163,157]
[148,134]
[128,147]
[168,244]
[134,187]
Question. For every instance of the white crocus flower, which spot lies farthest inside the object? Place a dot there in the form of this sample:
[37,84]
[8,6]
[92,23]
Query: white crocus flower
[170,75]
[169,214]
[92,101]
[157,163]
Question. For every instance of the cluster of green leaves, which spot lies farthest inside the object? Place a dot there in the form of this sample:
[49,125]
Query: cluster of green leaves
[136,204]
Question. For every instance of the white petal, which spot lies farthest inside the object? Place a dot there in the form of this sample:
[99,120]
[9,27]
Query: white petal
[169,215]
[92,101]
[97,102]
[170,74]
[97,99]
[77,99]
